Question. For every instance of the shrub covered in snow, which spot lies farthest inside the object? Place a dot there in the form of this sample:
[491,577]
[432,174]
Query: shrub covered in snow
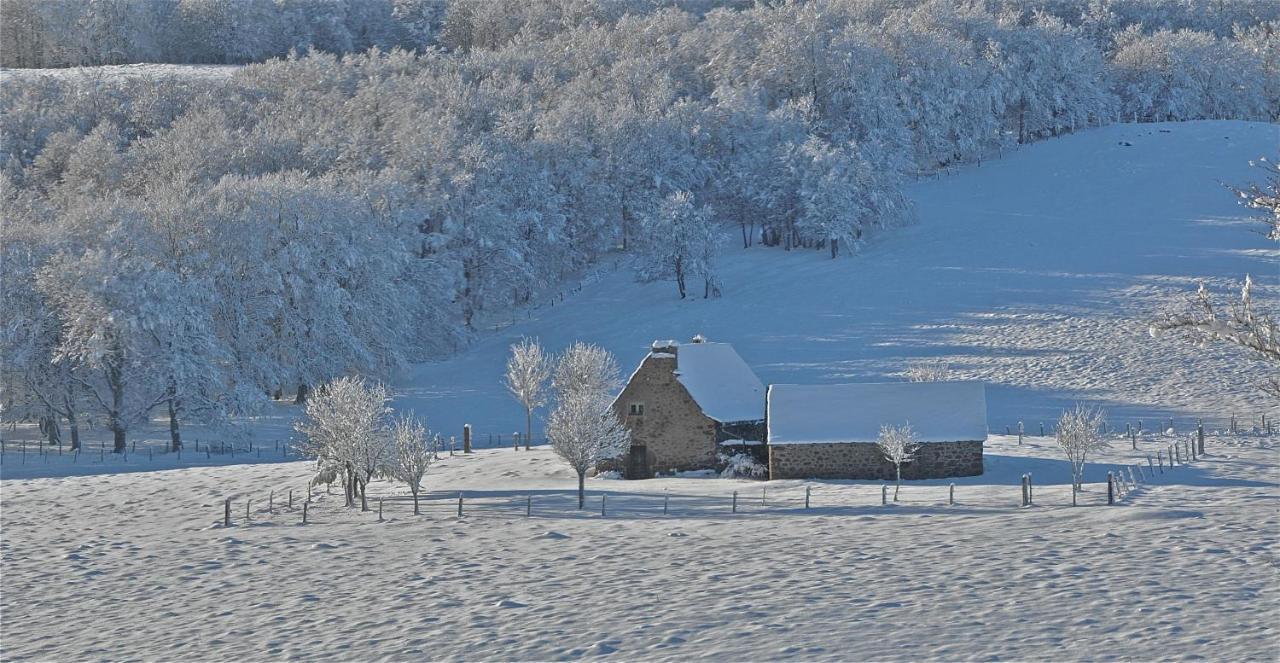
[742,466]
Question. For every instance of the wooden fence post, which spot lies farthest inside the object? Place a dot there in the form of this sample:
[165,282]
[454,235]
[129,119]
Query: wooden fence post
[466,438]
[379,509]
[1111,493]
[806,497]
[604,499]
[884,495]
[762,494]
[291,499]
[304,511]
[516,438]
[528,506]
[951,495]
[735,502]
[1200,433]
[1151,468]
[459,503]
[1177,454]
[666,502]
[1024,490]
[226,513]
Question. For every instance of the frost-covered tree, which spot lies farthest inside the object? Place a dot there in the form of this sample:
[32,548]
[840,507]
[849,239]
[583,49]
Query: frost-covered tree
[897,445]
[413,451]
[1079,436]
[585,431]
[528,371]
[679,242]
[928,371]
[346,429]
[1245,323]
[585,370]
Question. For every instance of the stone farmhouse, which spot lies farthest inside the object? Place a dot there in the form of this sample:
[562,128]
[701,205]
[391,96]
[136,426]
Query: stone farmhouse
[686,404]
[682,402]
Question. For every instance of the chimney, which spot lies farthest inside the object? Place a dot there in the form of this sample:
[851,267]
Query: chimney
[665,347]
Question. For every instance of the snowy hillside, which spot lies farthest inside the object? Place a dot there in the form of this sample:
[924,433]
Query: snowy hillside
[1036,273]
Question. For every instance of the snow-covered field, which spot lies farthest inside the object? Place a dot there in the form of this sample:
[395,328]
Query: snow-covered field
[1036,273]
[122,566]
[1033,273]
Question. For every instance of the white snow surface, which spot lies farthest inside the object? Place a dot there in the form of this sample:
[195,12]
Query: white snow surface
[1037,273]
[137,566]
[720,382]
[936,411]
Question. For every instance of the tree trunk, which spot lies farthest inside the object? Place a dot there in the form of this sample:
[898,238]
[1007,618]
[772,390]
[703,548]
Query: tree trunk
[175,437]
[680,276]
[835,248]
[582,489]
[415,501]
[364,499]
[74,425]
[898,485]
[115,382]
[528,427]
[302,394]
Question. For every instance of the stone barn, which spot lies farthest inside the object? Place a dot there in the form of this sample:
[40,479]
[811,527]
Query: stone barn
[683,402]
[830,431]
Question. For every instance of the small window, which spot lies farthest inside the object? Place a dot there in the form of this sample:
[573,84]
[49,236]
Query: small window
[637,410]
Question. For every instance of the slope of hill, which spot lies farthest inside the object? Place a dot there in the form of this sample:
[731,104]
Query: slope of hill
[1036,273]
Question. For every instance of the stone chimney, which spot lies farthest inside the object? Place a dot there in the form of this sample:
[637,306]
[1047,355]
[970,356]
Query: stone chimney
[666,347]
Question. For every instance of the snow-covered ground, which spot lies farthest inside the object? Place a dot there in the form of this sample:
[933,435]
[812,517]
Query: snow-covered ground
[1036,273]
[1033,273]
[120,566]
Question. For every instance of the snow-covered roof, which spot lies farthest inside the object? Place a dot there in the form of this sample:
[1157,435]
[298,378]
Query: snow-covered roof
[720,382]
[937,411]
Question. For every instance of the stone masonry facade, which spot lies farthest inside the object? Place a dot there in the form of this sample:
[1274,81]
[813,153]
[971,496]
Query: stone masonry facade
[854,460]
[674,432]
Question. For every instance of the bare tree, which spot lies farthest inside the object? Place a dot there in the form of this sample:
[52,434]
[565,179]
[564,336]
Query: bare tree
[584,430]
[1079,435]
[898,445]
[528,370]
[413,450]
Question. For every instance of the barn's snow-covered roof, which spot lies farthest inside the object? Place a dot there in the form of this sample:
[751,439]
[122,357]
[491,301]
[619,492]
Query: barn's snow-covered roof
[720,382]
[937,411]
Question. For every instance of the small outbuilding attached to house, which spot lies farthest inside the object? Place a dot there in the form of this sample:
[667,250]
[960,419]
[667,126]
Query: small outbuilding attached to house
[830,431]
[683,401]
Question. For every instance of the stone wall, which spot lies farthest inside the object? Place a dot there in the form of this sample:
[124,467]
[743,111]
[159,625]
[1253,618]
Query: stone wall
[934,460]
[673,429]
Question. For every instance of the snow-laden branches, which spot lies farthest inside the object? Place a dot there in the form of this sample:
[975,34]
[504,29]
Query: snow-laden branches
[528,370]
[1079,435]
[1241,324]
[583,429]
[898,445]
[413,451]
[346,428]
[928,371]
[587,370]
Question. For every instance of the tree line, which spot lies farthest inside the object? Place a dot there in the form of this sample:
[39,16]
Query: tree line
[192,247]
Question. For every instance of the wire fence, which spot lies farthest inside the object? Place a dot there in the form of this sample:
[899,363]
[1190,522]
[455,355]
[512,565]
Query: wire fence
[1125,484]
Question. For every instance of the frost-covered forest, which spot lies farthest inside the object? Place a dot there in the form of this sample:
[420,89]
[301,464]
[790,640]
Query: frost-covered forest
[189,247]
